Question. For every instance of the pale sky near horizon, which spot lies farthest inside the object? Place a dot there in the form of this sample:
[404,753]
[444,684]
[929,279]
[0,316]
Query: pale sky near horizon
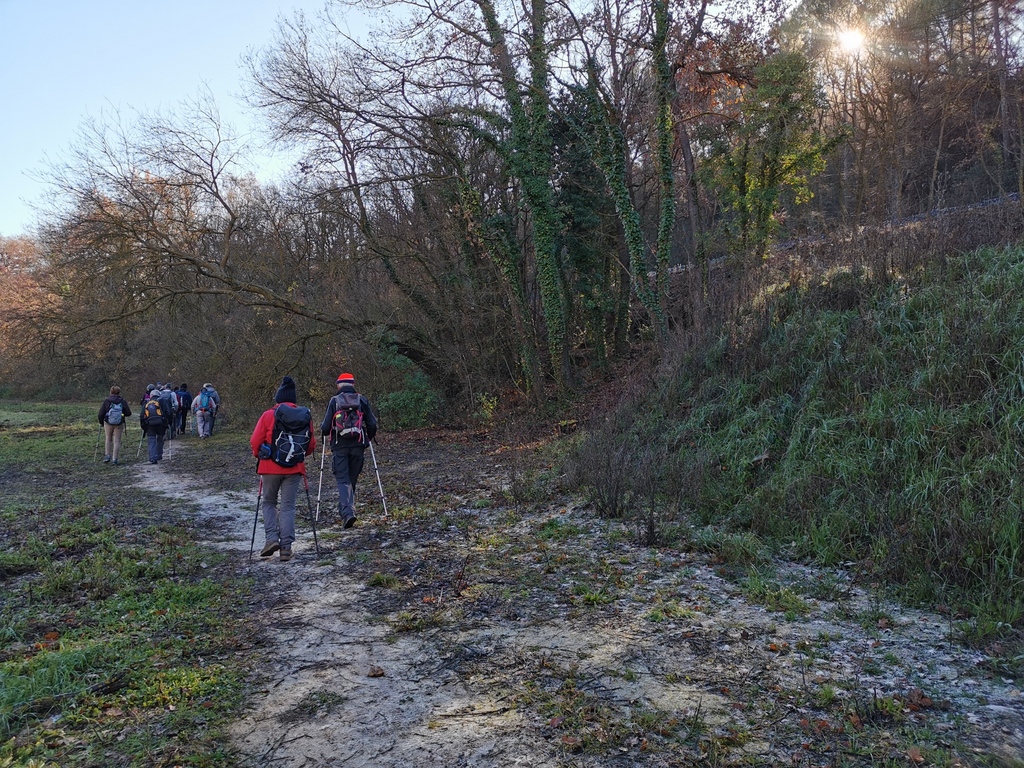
[62,62]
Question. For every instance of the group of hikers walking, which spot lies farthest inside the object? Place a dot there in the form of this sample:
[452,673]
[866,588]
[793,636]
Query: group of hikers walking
[165,411]
[282,439]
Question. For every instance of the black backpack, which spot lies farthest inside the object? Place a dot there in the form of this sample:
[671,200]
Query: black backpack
[293,429]
[152,413]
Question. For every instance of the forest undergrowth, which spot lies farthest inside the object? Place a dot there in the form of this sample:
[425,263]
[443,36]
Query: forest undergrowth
[873,420]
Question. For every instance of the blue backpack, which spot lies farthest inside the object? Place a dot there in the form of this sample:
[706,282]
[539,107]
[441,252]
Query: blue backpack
[115,414]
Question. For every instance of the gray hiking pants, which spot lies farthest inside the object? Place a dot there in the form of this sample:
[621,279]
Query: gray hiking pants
[279,494]
[204,423]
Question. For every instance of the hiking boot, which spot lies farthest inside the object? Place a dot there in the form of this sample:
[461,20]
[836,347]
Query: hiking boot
[286,554]
[106,459]
[116,461]
[349,521]
[269,548]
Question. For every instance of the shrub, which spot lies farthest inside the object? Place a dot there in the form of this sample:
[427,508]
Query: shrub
[415,405]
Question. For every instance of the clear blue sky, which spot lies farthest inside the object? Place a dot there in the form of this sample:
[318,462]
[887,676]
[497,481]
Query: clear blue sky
[64,60]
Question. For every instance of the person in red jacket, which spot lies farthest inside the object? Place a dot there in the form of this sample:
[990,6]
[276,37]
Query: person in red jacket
[281,466]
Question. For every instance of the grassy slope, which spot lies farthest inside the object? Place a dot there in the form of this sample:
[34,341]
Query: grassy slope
[855,422]
[119,640]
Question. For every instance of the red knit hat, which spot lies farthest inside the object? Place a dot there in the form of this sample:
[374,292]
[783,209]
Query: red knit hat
[346,378]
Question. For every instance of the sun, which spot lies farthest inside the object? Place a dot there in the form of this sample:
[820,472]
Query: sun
[851,40]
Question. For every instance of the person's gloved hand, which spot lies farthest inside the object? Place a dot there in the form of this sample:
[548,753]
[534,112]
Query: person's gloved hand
[264,451]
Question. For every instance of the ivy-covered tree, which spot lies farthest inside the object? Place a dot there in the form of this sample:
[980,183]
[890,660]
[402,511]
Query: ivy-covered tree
[591,247]
[769,149]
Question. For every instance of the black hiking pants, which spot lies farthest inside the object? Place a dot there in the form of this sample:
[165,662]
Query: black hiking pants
[346,464]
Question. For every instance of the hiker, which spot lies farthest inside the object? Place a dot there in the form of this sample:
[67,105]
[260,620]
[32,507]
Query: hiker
[282,439]
[149,393]
[185,406]
[204,408]
[154,423]
[350,422]
[113,412]
[169,403]
[216,408]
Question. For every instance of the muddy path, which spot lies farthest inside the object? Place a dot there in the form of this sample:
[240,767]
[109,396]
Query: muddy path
[482,624]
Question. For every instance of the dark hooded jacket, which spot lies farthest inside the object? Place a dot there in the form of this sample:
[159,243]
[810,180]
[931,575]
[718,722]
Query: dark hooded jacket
[369,420]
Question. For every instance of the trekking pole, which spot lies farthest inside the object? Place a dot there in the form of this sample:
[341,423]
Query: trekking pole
[259,498]
[96,450]
[373,455]
[141,441]
[320,485]
[309,506]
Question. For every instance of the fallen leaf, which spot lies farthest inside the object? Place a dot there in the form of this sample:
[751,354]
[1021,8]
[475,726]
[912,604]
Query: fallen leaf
[556,721]
[375,672]
[914,753]
[51,635]
[570,741]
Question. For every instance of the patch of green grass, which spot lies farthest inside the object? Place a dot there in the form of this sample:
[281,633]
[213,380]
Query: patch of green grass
[557,529]
[105,610]
[385,580]
[414,621]
[734,548]
[761,587]
[592,594]
[668,610]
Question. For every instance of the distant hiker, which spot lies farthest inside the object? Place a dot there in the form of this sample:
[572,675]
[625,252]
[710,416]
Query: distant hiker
[185,406]
[154,423]
[204,408]
[216,400]
[113,412]
[149,393]
[282,439]
[169,403]
[351,425]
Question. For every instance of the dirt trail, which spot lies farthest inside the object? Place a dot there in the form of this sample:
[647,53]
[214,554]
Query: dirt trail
[481,681]
[337,689]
